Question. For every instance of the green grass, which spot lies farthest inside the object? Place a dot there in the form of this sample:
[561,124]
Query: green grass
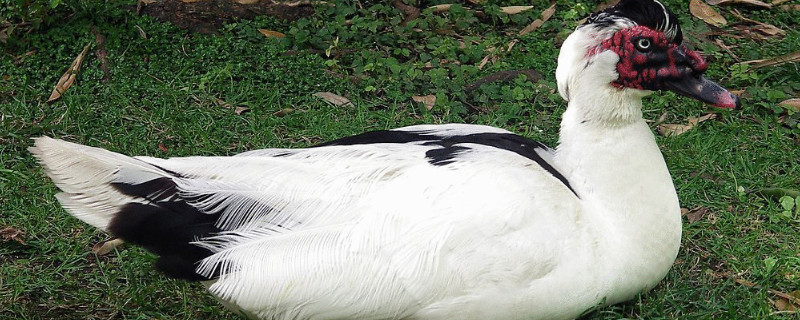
[170,89]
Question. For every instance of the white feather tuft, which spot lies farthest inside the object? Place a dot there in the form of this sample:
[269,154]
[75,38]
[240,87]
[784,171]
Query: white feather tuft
[85,174]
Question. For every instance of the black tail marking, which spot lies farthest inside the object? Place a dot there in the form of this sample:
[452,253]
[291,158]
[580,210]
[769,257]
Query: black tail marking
[166,226]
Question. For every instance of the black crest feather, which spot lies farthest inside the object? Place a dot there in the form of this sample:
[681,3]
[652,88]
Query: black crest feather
[649,13]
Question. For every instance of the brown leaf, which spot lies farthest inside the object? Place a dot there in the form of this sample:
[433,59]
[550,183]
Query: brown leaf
[786,58]
[162,147]
[333,99]
[515,9]
[546,14]
[747,2]
[693,121]
[793,297]
[671,129]
[757,28]
[429,65]
[511,45]
[484,61]
[428,100]
[790,7]
[69,77]
[103,248]
[271,34]
[440,8]
[727,49]
[245,2]
[662,118]
[409,12]
[21,58]
[790,302]
[701,10]
[783,304]
[793,103]
[11,234]
[240,110]
[283,112]
[142,34]
[696,214]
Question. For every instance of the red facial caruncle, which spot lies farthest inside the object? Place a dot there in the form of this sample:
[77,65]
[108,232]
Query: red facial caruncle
[648,58]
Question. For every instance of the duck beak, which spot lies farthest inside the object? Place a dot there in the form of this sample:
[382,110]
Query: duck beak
[700,88]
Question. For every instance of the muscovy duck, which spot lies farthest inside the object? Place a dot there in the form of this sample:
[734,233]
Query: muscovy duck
[447,221]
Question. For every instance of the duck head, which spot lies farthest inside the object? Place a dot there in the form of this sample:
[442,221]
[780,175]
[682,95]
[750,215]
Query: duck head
[631,49]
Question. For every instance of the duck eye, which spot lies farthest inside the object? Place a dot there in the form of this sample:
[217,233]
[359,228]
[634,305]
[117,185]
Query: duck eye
[643,44]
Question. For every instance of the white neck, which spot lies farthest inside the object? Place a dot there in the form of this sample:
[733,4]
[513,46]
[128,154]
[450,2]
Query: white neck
[609,155]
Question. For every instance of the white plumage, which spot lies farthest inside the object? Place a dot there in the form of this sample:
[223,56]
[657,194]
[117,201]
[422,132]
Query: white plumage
[425,222]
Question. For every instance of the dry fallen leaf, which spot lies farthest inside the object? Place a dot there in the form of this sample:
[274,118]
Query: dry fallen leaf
[546,14]
[783,304]
[790,7]
[701,10]
[748,2]
[440,7]
[69,77]
[142,34]
[9,233]
[761,31]
[792,298]
[757,28]
[240,110]
[671,129]
[484,61]
[786,58]
[793,103]
[271,34]
[786,304]
[103,248]
[428,100]
[696,214]
[662,118]
[333,99]
[515,9]
[409,12]
[162,147]
[283,112]
[247,1]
